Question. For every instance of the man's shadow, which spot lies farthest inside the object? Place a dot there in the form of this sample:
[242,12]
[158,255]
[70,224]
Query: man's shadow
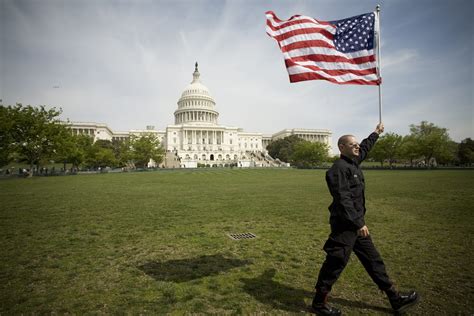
[360,305]
[183,270]
[287,298]
[277,295]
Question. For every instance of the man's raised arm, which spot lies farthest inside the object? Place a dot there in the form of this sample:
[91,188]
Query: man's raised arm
[367,144]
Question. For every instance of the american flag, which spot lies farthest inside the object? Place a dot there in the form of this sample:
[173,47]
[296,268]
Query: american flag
[340,51]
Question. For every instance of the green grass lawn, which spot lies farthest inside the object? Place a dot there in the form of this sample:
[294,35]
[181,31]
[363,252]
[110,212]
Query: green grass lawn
[156,242]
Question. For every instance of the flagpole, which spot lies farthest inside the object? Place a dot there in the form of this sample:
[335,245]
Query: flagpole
[377,38]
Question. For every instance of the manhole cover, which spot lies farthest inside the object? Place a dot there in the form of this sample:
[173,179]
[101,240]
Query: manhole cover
[242,236]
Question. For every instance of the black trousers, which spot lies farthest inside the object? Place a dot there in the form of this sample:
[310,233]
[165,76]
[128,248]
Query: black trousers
[339,247]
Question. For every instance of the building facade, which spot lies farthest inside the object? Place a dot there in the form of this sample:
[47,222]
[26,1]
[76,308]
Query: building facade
[196,137]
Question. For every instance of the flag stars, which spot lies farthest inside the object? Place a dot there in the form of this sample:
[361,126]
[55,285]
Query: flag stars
[354,34]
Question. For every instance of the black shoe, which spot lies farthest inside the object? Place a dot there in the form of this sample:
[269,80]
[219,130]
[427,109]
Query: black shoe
[325,309]
[403,301]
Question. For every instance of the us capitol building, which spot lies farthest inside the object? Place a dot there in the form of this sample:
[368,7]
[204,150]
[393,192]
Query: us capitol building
[197,138]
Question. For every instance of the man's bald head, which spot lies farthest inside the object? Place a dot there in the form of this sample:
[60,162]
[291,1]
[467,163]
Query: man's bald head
[348,146]
[344,139]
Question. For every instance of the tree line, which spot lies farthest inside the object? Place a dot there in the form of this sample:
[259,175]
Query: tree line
[36,136]
[299,152]
[426,145]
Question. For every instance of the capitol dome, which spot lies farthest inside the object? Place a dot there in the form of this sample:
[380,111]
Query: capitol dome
[196,105]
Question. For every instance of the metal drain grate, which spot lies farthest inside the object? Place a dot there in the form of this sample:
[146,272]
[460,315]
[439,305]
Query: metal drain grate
[242,236]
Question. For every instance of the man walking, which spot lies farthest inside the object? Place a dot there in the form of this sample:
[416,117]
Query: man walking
[349,232]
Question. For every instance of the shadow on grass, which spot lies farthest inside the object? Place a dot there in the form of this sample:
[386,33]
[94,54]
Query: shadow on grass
[183,270]
[277,295]
[283,297]
[361,305]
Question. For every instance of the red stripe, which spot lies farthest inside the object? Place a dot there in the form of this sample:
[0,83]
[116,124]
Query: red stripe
[290,22]
[274,16]
[335,59]
[312,30]
[315,76]
[335,72]
[296,22]
[306,44]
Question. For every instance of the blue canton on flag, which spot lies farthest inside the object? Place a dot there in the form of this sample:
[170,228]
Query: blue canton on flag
[355,33]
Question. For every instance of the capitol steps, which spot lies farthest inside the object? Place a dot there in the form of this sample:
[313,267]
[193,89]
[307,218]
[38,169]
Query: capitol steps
[171,160]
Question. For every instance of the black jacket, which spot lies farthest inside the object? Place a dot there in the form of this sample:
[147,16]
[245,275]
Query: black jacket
[346,183]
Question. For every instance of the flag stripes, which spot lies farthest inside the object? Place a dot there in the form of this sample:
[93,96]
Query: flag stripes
[341,52]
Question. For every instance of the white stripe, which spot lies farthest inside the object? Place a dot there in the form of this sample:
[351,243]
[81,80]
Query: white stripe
[304,38]
[277,24]
[337,66]
[325,51]
[295,70]
[306,25]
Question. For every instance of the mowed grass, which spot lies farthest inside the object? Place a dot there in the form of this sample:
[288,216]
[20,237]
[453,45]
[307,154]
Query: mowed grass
[156,243]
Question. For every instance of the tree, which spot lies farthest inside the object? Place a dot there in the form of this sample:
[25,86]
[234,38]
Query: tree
[308,154]
[103,157]
[104,143]
[466,152]
[409,149]
[432,141]
[6,137]
[99,153]
[36,132]
[76,149]
[449,155]
[387,148]
[122,152]
[283,148]
[144,148]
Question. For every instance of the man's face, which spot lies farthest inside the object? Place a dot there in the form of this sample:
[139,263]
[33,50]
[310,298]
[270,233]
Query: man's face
[350,148]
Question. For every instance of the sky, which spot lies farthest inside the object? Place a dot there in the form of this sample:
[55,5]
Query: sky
[126,63]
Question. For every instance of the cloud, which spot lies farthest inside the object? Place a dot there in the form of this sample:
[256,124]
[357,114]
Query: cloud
[399,61]
[126,64]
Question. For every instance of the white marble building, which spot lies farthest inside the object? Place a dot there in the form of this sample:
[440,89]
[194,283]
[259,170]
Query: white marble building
[196,137]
